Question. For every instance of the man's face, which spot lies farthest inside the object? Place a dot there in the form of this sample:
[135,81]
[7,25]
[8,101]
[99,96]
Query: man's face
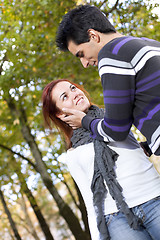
[86,52]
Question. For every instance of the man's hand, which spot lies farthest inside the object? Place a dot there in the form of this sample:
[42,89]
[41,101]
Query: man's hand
[72,117]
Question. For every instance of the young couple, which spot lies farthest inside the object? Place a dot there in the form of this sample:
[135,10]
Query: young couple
[120,186]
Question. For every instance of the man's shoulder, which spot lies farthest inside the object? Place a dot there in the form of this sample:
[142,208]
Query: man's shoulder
[126,47]
[115,47]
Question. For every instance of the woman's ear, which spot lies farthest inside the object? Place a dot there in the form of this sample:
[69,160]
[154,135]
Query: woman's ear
[60,115]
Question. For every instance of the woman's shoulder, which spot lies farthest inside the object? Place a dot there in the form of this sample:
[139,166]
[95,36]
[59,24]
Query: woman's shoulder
[79,153]
[79,148]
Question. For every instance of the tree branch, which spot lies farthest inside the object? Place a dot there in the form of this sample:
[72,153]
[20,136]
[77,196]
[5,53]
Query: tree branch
[114,7]
[3,60]
[20,155]
[111,9]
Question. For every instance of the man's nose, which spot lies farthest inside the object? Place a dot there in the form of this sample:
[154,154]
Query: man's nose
[84,62]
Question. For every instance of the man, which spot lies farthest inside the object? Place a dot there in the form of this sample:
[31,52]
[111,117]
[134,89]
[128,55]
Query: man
[129,68]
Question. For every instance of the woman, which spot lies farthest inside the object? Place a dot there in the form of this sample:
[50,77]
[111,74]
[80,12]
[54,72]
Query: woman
[120,186]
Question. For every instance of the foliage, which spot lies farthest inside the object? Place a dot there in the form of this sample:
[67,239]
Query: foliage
[29,60]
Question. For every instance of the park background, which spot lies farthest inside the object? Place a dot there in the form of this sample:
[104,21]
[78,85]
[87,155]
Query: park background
[38,198]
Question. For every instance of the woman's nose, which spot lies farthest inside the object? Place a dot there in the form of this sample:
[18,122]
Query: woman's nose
[74,95]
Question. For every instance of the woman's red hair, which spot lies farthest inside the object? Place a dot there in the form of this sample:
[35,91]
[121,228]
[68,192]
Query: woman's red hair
[50,110]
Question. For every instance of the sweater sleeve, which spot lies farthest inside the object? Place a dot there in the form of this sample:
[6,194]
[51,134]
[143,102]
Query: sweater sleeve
[82,182]
[118,82]
[118,116]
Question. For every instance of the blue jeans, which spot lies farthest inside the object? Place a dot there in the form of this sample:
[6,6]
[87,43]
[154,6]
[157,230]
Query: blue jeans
[148,212]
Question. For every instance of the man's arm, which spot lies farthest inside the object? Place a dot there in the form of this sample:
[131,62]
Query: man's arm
[118,92]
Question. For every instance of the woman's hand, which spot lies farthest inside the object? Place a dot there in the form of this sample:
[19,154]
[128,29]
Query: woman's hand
[72,117]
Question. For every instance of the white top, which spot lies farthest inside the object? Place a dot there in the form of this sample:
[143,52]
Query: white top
[135,173]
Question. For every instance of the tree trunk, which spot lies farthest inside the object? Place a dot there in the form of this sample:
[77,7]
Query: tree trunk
[36,209]
[12,223]
[32,231]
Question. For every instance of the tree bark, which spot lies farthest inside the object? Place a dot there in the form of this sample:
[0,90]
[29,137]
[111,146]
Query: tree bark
[12,223]
[32,230]
[36,209]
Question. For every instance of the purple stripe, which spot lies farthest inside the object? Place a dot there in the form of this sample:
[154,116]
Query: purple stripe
[149,107]
[149,116]
[118,128]
[117,121]
[121,43]
[114,128]
[115,42]
[148,39]
[118,100]
[119,92]
[93,123]
[149,78]
[149,85]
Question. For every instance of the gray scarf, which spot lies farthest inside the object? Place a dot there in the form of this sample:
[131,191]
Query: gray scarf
[104,163]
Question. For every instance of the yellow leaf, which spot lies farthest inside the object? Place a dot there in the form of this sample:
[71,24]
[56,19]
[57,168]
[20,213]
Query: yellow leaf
[16,122]
[34,69]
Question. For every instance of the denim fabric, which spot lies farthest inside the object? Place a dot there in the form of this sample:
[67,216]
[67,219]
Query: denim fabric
[148,212]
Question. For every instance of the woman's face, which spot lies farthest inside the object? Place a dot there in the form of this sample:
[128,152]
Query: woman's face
[66,95]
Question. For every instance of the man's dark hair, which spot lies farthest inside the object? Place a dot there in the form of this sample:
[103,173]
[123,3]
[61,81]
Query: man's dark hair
[76,23]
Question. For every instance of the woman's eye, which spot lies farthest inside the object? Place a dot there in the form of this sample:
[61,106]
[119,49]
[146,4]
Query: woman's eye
[64,97]
[73,87]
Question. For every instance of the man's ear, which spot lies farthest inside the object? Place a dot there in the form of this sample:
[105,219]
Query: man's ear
[93,34]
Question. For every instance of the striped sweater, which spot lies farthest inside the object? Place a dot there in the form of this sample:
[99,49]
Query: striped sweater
[129,68]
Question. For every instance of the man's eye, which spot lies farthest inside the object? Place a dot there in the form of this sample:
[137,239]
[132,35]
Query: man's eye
[81,55]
